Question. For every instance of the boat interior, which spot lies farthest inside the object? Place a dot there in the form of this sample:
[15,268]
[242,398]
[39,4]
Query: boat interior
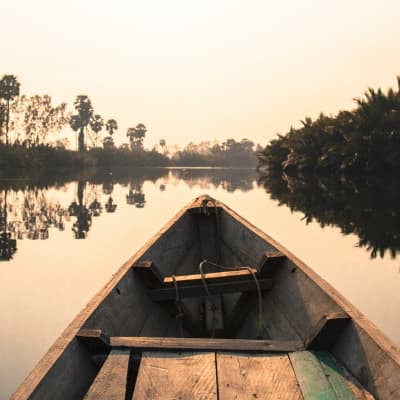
[210,284]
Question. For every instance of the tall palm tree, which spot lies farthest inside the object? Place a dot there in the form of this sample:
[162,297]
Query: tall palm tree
[81,120]
[9,88]
[96,125]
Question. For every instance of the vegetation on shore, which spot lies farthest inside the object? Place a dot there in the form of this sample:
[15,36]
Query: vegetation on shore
[365,140]
[31,128]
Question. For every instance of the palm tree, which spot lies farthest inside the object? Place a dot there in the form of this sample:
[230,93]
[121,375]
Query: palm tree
[81,120]
[9,88]
[96,125]
[111,126]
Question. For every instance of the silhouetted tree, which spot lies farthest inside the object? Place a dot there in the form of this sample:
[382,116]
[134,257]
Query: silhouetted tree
[136,136]
[96,125]
[111,126]
[9,88]
[36,118]
[365,140]
[81,120]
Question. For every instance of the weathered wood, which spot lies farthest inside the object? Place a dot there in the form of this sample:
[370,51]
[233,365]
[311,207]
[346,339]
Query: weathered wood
[148,273]
[214,316]
[148,343]
[189,264]
[111,381]
[172,343]
[243,307]
[327,331]
[256,376]
[94,340]
[270,262]
[214,288]
[184,376]
[201,211]
[213,277]
[311,377]
[337,378]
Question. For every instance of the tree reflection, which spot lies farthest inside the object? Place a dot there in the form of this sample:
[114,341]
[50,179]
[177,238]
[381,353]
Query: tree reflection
[82,213]
[229,180]
[366,206]
[135,194]
[8,244]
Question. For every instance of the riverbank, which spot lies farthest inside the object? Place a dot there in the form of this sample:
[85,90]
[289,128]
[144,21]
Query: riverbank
[14,157]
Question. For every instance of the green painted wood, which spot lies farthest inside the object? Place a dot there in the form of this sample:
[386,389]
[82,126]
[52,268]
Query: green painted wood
[335,375]
[313,383]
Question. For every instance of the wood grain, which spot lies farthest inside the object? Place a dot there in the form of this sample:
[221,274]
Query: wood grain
[183,376]
[110,382]
[311,377]
[256,376]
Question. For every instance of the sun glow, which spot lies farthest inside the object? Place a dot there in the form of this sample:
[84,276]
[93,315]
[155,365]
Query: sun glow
[197,71]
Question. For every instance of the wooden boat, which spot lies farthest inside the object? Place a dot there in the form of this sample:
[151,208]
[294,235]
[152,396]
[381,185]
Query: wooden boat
[250,322]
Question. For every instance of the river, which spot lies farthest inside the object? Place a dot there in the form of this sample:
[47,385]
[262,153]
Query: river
[67,235]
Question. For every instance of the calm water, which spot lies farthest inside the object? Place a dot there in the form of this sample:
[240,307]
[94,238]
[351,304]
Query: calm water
[66,236]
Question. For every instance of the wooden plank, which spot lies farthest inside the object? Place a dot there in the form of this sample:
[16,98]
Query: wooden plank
[184,376]
[311,377]
[148,273]
[110,382]
[270,263]
[327,331]
[172,343]
[149,343]
[256,376]
[337,378]
[94,340]
[212,277]
[214,289]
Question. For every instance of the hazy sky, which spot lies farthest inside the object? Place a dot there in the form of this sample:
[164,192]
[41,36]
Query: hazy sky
[199,70]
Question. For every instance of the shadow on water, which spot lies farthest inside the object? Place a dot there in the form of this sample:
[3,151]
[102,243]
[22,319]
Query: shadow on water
[368,207]
[28,211]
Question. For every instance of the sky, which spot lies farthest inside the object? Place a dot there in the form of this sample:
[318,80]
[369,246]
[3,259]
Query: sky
[203,70]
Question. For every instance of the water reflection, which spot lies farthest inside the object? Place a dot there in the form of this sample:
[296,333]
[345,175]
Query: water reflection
[368,207]
[226,179]
[28,209]
[136,196]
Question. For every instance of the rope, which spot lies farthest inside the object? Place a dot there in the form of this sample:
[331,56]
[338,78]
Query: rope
[180,314]
[213,307]
[223,267]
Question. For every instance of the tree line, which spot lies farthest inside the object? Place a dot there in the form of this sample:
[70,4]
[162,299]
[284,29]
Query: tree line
[28,125]
[365,140]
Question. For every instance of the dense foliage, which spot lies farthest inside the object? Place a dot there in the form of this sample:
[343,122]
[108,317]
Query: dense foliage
[228,153]
[365,140]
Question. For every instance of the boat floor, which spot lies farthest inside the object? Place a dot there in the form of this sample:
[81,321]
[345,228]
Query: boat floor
[223,375]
